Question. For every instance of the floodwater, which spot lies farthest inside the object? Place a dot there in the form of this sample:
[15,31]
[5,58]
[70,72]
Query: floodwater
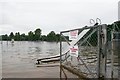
[19,59]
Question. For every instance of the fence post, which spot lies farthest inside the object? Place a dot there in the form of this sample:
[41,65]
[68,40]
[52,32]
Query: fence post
[102,42]
[60,56]
[115,57]
[104,49]
[99,51]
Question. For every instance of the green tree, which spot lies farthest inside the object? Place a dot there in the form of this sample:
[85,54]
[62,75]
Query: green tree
[11,36]
[23,37]
[43,38]
[17,36]
[30,36]
[37,34]
[57,37]
[5,37]
[51,36]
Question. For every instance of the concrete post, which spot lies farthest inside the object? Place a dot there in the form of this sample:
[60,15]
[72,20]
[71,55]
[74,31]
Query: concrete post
[99,52]
[102,56]
[104,50]
[116,52]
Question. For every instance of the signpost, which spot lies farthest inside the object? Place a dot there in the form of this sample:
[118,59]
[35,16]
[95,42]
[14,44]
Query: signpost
[73,35]
[74,51]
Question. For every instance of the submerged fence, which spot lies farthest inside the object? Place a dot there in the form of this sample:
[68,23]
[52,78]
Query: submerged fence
[89,52]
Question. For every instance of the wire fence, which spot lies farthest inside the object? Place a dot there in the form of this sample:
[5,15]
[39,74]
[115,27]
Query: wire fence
[98,54]
[113,51]
[86,61]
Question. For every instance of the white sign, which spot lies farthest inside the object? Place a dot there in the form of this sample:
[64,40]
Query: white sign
[73,35]
[74,51]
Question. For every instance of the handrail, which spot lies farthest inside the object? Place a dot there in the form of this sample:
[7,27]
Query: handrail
[50,57]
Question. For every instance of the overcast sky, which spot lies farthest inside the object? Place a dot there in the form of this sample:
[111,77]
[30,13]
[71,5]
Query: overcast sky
[54,15]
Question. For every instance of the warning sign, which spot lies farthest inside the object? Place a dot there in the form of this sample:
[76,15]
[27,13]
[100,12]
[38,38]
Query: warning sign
[73,35]
[74,51]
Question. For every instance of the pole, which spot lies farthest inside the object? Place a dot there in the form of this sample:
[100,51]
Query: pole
[99,51]
[60,56]
[112,58]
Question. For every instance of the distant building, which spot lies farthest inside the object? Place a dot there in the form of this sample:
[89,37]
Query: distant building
[119,10]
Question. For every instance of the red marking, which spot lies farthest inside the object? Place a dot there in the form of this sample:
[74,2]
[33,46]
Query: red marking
[73,33]
[73,49]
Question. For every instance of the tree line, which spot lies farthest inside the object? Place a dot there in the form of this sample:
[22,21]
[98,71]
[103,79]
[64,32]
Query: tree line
[52,36]
[32,36]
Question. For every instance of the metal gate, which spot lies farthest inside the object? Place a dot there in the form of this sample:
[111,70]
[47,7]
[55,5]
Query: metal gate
[93,59]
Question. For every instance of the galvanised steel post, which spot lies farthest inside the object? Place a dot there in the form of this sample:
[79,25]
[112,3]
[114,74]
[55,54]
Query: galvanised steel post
[60,55]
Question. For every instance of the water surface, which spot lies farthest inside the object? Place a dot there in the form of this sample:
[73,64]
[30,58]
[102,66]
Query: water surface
[20,57]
